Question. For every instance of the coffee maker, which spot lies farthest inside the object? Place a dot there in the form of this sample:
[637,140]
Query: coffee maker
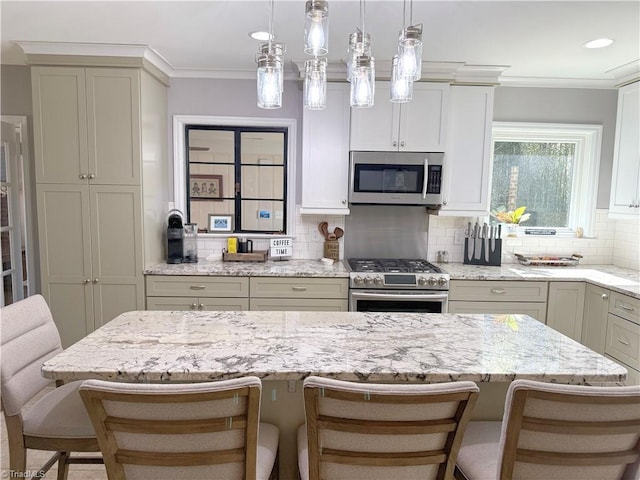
[175,237]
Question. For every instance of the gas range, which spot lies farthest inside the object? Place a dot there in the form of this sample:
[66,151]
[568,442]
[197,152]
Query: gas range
[395,273]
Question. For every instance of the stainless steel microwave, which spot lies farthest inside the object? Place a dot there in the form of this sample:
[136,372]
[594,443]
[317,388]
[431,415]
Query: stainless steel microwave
[395,178]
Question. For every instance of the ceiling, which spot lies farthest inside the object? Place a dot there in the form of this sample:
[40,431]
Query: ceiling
[530,42]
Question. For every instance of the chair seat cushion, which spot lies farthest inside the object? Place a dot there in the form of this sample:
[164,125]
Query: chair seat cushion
[59,414]
[478,455]
[303,452]
[267,449]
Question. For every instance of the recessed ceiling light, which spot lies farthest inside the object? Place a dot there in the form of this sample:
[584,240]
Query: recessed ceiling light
[599,43]
[261,36]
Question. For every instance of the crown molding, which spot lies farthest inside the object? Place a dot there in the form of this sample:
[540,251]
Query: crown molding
[627,73]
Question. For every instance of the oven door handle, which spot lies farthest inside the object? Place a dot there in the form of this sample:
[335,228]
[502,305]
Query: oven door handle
[400,297]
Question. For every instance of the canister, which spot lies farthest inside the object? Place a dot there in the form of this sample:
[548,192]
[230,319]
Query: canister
[232,245]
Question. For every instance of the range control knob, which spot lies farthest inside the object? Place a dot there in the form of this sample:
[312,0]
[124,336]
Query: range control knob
[442,282]
[433,281]
[368,280]
[358,280]
[377,281]
[422,281]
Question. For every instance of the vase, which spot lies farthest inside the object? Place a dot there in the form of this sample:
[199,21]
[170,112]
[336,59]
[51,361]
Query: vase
[512,229]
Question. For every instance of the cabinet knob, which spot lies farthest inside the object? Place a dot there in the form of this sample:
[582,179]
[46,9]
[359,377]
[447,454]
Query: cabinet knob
[194,306]
[344,202]
[95,280]
[91,176]
[201,306]
[87,280]
[395,144]
[83,176]
[605,296]
[402,144]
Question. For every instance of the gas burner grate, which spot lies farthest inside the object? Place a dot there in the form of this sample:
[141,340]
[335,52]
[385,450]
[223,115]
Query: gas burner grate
[392,265]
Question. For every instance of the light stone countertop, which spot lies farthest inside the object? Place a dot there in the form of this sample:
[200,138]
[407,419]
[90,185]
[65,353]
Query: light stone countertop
[270,268]
[376,347]
[622,280]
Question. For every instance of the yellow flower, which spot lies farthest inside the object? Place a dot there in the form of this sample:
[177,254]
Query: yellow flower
[516,216]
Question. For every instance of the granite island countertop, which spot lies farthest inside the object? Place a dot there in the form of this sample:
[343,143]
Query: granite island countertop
[270,268]
[380,347]
[622,280]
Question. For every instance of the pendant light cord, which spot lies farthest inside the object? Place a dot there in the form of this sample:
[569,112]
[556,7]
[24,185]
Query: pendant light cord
[270,23]
[362,14]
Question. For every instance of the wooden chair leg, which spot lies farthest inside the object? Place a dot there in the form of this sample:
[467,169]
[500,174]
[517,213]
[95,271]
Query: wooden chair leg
[63,466]
[17,449]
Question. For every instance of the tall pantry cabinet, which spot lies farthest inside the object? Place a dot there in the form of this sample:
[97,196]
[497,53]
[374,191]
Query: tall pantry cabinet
[100,163]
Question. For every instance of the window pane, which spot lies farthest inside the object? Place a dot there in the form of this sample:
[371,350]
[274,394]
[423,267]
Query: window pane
[7,287]
[263,148]
[537,175]
[262,182]
[262,216]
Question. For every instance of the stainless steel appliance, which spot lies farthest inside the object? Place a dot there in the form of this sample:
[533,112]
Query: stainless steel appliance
[396,178]
[397,285]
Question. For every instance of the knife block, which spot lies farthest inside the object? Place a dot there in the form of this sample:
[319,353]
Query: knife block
[495,257]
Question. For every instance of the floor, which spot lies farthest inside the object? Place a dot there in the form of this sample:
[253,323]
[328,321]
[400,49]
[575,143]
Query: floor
[37,458]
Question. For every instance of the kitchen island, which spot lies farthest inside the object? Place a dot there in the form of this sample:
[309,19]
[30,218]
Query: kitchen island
[283,348]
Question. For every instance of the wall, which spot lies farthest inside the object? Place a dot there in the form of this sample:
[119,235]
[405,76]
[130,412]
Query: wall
[565,105]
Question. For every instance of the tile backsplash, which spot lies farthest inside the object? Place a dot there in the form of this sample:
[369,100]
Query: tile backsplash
[615,242]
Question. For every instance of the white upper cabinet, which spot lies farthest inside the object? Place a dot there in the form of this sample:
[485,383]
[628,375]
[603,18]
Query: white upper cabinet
[325,155]
[467,167]
[417,126]
[625,179]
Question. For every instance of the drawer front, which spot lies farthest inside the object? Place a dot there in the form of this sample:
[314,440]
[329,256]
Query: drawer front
[535,310]
[625,307]
[623,341]
[293,304]
[196,303]
[196,286]
[633,375]
[498,291]
[299,287]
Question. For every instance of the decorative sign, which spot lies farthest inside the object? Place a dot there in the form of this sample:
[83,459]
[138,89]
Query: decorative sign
[281,247]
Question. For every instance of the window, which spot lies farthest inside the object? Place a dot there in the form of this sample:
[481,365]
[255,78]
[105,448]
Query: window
[236,169]
[552,169]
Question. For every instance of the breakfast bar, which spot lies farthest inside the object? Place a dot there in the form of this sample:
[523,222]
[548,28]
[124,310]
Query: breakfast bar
[283,348]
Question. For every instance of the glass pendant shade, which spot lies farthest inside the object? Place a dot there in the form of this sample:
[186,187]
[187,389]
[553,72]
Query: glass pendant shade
[401,87]
[316,27]
[359,44]
[270,81]
[410,52]
[315,84]
[363,82]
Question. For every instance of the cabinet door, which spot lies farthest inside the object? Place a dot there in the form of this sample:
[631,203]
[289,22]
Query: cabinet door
[302,304]
[325,155]
[65,258]
[59,124]
[625,179]
[423,120]
[467,166]
[299,287]
[376,128]
[594,322]
[533,309]
[113,118]
[117,251]
[565,308]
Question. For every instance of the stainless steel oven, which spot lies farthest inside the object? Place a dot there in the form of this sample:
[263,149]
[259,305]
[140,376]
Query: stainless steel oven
[397,285]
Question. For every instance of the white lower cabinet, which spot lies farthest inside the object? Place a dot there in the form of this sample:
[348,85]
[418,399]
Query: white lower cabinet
[565,308]
[622,342]
[499,297]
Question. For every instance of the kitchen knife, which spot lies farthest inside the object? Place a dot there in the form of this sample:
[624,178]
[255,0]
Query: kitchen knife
[469,243]
[493,238]
[477,244]
[485,241]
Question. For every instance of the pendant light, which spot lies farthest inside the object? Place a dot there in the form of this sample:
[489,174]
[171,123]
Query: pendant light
[410,47]
[401,86]
[359,44]
[315,83]
[316,27]
[363,73]
[270,79]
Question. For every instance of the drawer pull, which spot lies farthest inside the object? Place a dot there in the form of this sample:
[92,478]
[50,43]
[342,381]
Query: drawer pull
[201,306]
[498,290]
[623,341]
[299,289]
[194,306]
[626,307]
[198,287]
[605,296]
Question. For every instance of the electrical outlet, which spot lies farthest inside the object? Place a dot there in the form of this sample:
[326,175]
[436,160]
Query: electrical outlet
[458,237]
[291,386]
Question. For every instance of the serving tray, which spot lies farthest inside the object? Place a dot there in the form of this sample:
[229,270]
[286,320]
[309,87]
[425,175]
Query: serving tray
[549,260]
[255,256]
